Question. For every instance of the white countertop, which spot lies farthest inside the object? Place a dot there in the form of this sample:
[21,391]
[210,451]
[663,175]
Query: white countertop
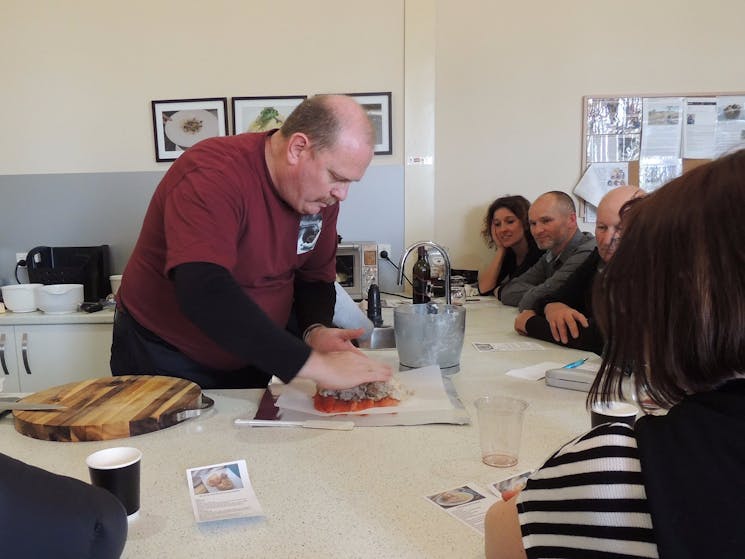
[356,493]
[9,318]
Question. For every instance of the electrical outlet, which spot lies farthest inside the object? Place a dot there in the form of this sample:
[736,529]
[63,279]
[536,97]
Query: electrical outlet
[385,247]
[20,256]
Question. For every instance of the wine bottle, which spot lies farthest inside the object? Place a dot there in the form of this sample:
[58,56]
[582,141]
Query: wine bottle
[421,275]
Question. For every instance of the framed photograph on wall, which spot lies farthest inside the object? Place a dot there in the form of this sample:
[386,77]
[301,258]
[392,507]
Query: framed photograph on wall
[378,107]
[178,124]
[257,114]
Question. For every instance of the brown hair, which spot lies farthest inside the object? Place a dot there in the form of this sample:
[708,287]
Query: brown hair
[671,302]
[315,118]
[518,205]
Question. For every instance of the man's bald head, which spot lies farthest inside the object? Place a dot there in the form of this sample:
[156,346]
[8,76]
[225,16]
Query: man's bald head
[553,221]
[608,224]
[329,119]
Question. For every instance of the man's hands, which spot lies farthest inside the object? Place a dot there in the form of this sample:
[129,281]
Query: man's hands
[564,321]
[343,369]
[333,339]
[521,320]
[335,363]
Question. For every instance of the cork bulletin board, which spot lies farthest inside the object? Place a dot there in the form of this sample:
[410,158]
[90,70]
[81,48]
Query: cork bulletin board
[647,140]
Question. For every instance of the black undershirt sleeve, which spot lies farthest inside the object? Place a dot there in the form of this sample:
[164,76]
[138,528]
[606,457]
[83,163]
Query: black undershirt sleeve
[314,303]
[211,298]
[589,339]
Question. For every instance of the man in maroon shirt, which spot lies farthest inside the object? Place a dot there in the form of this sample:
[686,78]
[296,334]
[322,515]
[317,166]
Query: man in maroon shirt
[239,235]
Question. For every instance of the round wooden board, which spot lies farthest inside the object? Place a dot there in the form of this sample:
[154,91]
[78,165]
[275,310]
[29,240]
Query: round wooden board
[108,408]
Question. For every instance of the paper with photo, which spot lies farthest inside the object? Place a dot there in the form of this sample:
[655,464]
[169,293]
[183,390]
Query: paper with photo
[656,171]
[467,503]
[730,123]
[700,127]
[662,127]
[508,346]
[601,178]
[534,372]
[613,115]
[622,147]
[510,484]
[222,491]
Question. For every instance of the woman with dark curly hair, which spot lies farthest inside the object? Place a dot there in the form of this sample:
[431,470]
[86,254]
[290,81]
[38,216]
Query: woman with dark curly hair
[506,229]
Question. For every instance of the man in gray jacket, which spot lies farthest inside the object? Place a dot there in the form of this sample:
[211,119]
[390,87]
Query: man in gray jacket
[553,223]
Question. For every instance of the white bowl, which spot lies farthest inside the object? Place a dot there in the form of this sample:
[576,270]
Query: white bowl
[60,298]
[20,297]
[116,281]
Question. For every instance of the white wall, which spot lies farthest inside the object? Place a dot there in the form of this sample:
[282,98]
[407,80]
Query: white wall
[78,76]
[510,81]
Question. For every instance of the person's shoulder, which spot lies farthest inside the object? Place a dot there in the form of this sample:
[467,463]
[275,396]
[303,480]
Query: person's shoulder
[582,241]
[604,435]
[588,241]
[234,157]
[607,441]
[592,262]
[227,146]
[223,148]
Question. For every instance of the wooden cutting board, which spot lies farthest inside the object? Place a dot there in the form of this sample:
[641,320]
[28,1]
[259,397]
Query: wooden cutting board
[109,408]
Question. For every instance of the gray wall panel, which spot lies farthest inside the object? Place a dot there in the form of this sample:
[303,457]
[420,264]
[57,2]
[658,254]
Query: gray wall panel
[82,209]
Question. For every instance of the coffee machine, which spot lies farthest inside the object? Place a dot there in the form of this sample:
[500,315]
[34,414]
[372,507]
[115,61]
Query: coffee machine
[86,265]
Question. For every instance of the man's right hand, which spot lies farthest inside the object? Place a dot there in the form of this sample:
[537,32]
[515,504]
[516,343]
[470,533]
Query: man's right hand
[561,318]
[521,321]
[343,369]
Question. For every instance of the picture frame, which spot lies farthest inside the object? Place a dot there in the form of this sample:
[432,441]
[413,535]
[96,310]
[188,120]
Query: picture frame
[258,114]
[378,108]
[178,124]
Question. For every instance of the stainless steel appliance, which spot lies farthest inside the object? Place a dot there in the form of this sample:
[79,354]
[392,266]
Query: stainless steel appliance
[357,267]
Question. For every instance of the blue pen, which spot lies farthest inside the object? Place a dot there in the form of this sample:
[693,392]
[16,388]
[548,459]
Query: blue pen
[575,364]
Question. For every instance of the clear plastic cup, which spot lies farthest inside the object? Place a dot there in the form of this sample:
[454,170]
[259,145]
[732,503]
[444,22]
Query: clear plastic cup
[500,429]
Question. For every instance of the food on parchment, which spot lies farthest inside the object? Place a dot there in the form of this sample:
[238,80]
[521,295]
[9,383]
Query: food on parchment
[364,396]
[220,481]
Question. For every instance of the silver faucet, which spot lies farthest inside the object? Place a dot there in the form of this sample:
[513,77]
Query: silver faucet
[444,253]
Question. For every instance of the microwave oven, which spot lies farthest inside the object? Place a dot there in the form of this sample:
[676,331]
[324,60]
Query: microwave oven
[357,267]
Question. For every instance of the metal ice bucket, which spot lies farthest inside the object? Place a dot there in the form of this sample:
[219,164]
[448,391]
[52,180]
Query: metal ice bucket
[429,334]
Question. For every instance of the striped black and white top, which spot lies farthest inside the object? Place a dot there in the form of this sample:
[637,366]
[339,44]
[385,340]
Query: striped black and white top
[588,500]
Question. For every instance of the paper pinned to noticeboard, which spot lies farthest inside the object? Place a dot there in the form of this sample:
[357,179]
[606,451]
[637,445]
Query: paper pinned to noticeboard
[601,178]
